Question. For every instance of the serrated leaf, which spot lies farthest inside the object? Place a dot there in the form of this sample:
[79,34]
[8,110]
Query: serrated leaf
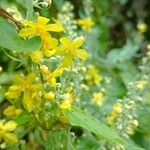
[82,119]
[9,39]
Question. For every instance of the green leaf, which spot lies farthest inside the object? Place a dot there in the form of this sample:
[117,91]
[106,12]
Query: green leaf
[79,118]
[28,6]
[23,119]
[9,39]
[82,119]
[38,137]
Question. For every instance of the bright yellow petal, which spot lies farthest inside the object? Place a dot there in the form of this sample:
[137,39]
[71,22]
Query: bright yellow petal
[55,27]
[10,111]
[81,53]
[27,101]
[26,32]
[53,82]
[35,99]
[46,35]
[53,43]
[36,87]
[48,53]
[30,78]
[78,42]
[60,51]
[58,72]
[42,20]
[10,137]
[66,105]
[18,79]
[10,125]
[67,61]
[65,41]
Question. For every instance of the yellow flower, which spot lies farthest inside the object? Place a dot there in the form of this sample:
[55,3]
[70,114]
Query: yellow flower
[92,76]
[50,77]
[48,43]
[66,104]
[117,110]
[49,96]
[12,111]
[86,23]
[25,86]
[5,131]
[39,27]
[70,50]
[98,98]
[142,27]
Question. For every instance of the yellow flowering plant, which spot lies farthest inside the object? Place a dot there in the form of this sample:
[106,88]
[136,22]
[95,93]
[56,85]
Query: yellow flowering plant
[55,92]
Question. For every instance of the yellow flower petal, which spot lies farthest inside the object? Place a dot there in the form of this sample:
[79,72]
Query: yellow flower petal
[66,105]
[60,51]
[55,27]
[10,137]
[42,20]
[81,53]
[78,42]
[30,78]
[65,41]
[58,72]
[10,125]
[48,53]
[10,111]
[27,101]
[67,61]
[26,32]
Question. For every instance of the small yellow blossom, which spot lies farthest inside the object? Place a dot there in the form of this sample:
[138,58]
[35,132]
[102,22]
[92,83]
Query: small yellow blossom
[117,110]
[142,27]
[39,27]
[12,111]
[5,131]
[86,23]
[70,50]
[92,76]
[66,104]
[50,77]
[48,43]
[25,86]
[98,98]
[49,96]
